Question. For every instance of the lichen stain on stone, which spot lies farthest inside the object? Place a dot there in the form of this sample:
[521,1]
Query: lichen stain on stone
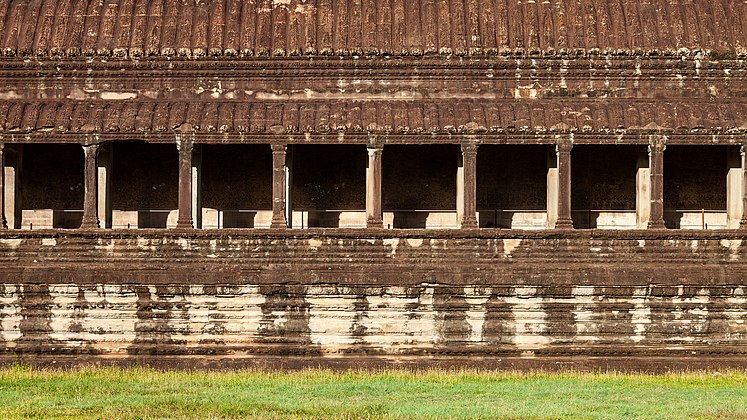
[375,308]
[733,246]
[452,324]
[509,245]
[392,243]
[11,243]
[184,243]
[414,243]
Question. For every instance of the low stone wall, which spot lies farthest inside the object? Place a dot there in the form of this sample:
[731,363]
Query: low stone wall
[375,294]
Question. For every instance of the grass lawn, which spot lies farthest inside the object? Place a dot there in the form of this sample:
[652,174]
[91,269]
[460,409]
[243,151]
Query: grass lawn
[143,392]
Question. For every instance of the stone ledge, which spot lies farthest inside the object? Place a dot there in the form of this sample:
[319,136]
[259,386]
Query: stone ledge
[483,233]
[356,363]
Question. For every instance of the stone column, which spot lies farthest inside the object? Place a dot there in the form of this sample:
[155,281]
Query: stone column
[656,149]
[563,152]
[3,221]
[467,187]
[278,187]
[184,144]
[374,216]
[90,199]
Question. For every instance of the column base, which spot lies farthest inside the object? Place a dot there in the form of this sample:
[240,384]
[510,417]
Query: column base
[564,224]
[469,223]
[743,224]
[656,224]
[184,224]
[375,224]
[3,223]
[87,224]
[278,223]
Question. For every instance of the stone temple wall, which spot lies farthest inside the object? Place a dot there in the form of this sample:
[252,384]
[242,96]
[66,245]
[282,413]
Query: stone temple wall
[473,298]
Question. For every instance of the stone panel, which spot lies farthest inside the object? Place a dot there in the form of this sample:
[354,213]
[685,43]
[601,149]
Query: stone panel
[236,295]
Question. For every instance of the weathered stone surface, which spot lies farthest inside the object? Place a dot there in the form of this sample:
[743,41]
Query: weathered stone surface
[238,294]
[523,82]
[411,119]
[365,28]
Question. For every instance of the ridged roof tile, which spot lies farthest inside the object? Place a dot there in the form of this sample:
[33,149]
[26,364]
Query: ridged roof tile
[366,27]
[368,117]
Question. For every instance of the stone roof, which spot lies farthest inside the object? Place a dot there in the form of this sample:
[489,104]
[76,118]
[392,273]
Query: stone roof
[194,28]
[398,117]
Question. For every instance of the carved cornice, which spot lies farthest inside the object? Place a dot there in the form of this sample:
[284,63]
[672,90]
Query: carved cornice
[424,118]
[631,137]
[496,67]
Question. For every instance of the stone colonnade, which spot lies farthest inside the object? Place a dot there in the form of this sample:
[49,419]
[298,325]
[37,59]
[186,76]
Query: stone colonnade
[649,181]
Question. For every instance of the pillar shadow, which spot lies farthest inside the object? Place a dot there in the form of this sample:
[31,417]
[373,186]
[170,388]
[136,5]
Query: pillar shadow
[236,219]
[410,219]
[152,220]
[66,219]
[673,220]
[324,219]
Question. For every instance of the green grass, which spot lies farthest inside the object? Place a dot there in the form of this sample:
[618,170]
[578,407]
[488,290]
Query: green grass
[145,393]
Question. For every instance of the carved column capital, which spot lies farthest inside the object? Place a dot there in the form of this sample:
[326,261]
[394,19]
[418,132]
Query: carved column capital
[185,142]
[469,148]
[278,148]
[657,144]
[375,151]
[374,142]
[564,146]
[89,139]
[90,149]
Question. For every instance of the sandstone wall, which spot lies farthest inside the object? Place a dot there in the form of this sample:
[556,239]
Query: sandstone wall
[392,295]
